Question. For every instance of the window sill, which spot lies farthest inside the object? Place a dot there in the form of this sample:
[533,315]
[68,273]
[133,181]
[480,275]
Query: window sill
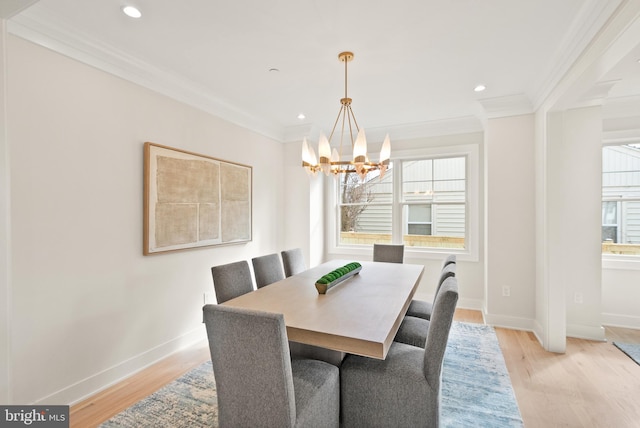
[366,252]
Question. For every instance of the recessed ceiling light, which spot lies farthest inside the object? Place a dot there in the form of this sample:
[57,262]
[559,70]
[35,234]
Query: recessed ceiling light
[480,88]
[132,11]
[301,116]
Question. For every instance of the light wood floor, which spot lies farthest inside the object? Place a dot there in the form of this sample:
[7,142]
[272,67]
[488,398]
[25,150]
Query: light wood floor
[592,385]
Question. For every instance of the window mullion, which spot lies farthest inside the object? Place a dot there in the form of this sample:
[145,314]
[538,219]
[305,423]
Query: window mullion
[396,209]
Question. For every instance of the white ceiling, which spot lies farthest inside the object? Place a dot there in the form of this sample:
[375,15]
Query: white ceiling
[416,61]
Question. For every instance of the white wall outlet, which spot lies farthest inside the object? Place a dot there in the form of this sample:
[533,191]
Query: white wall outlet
[506,291]
[578,298]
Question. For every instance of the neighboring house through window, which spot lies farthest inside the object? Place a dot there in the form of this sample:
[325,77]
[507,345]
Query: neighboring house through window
[423,201]
[621,199]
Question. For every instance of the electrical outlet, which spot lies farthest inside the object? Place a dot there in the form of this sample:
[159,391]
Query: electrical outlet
[578,298]
[506,291]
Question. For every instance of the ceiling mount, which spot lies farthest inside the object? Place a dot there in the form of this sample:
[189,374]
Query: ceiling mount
[345,56]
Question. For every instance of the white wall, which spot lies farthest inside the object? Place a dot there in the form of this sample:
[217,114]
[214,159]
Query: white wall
[574,260]
[5,272]
[510,222]
[550,300]
[304,202]
[581,220]
[87,307]
[620,297]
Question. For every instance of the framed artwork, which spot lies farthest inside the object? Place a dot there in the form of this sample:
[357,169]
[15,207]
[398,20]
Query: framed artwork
[193,200]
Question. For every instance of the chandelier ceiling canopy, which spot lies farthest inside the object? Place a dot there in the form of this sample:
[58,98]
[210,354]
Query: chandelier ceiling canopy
[331,161]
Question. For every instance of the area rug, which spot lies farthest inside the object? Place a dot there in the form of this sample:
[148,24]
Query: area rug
[631,349]
[476,390]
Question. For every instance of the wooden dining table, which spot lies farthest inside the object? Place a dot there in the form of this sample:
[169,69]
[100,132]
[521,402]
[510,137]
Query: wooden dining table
[360,315]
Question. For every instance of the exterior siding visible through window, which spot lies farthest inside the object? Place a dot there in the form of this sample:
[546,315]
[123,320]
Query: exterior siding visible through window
[433,203]
[621,199]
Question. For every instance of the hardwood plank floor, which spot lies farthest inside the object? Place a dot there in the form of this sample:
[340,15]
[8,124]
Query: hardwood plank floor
[592,385]
[111,401]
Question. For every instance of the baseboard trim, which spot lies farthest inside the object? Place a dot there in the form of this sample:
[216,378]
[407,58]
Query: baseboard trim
[91,385]
[510,322]
[537,332]
[624,321]
[587,332]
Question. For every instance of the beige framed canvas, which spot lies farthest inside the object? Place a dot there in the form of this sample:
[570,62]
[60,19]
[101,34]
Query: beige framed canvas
[192,200]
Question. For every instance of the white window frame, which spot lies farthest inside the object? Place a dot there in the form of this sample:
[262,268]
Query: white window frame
[472,226]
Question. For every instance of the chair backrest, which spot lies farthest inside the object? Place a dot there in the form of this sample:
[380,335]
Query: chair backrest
[293,262]
[446,272]
[267,269]
[388,253]
[251,366]
[231,280]
[438,333]
[451,258]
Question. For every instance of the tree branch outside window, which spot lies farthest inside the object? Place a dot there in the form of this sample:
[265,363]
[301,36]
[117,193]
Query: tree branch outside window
[354,192]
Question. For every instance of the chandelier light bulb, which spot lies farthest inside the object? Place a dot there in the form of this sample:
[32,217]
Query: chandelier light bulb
[385,152]
[360,148]
[324,152]
[308,157]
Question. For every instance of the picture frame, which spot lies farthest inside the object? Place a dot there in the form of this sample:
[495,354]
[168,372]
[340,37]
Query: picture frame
[193,200]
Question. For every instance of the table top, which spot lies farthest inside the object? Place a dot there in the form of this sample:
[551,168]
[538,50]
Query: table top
[360,315]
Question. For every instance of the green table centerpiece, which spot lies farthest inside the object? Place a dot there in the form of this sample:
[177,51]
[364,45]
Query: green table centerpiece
[336,276]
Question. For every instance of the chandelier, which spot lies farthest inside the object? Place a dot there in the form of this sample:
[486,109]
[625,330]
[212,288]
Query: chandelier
[331,159]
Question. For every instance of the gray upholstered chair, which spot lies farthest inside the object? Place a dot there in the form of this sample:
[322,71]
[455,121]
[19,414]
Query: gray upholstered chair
[267,269]
[417,308]
[389,253]
[422,309]
[231,280]
[413,330]
[293,261]
[402,390]
[257,383]
[451,258]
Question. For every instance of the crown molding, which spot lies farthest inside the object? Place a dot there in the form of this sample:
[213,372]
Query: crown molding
[621,120]
[432,128]
[407,131]
[95,53]
[9,8]
[592,17]
[511,105]
[621,107]
[82,48]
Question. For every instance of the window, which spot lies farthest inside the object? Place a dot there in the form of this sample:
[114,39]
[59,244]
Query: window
[423,202]
[610,221]
[621,199]
[433,202]
[419,221]
[365,208]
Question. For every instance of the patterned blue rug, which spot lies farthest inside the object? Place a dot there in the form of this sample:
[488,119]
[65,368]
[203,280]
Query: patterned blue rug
[476,390]
[631,349]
